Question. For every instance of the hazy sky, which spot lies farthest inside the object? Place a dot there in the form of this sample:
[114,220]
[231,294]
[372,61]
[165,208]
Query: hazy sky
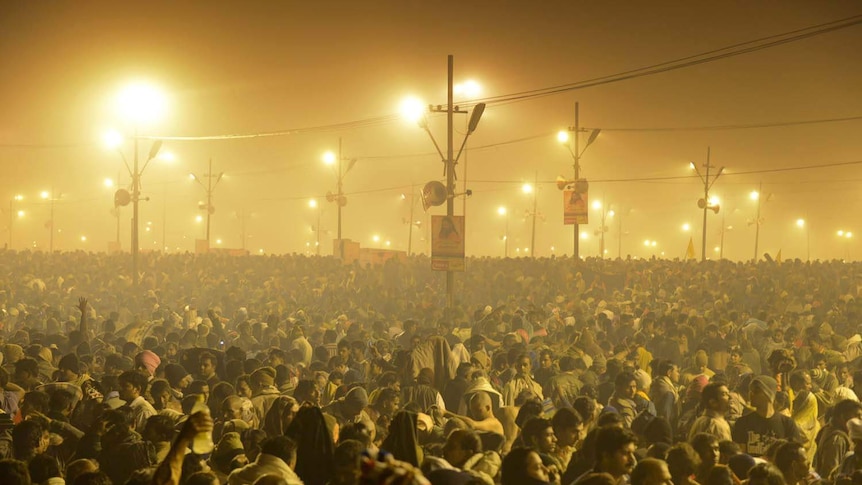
[259,67]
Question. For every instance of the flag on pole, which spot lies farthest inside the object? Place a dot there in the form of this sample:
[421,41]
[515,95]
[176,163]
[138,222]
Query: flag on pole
[778,257]
[689,253]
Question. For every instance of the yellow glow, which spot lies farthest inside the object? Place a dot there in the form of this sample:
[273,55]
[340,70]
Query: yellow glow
[83,238]
[45,194]
[375,238]
[653,243]
[260,251]
[800,222]
[112,139]
[21,213]
[468,89]
[329,158]
[312,203]
[840,233]
[714,200]
[563,136]
[686,227]
[597,204]
[141,103]
[848,234]
[611,213]
[646,243]
[108,183]
[691,165]
[754,195]
[18,197]
[218,241]
[388,243]
[717,249]
[527,189]
[501,210]
[199,218]
[168,157]
[412,109]
[585,235]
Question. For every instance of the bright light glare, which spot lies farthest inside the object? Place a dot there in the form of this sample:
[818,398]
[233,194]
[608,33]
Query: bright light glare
[112,139]
[168,157]
[848,234]
[800,222]
[141,103]
[218,241]
[108,183]
[585,235]
[611,213]
[199,218]
[312,203]
[717,249]
[754,195]
[646,243]
[467,89]
[527,189]
[653,243]
[21,213]
[45,194]
[686,227]
[412,109]
[840,233]
[597,204]
[714,200]
[501,211]
[329,158]
[388,243]
[18,197]
[83,238]
[563,136]
[375,238]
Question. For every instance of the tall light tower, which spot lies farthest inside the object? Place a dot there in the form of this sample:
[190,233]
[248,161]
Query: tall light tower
[706,203]
[566,139]
[209,188]
[337,162]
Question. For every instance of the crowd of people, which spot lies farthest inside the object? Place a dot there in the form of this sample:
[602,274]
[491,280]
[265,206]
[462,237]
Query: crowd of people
[301,370]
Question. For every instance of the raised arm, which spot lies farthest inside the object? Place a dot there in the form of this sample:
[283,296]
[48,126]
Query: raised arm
[82,305]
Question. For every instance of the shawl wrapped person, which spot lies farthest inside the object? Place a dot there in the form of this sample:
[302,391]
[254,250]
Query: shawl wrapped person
[315,448]
[402,441]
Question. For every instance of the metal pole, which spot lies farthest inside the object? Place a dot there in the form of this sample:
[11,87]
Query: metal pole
[620,238]
[410,222]
[450,168]
[338,202]
[721,248]
[808,244]
[209,199]
[705,208]
[577,234]
[51,240]
[136,194]
[757,221]
[602,240]
[117,208]
[318,228]
[535,202]
[506,239]
[11,219]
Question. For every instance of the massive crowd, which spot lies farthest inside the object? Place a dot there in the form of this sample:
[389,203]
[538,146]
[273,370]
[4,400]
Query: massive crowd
[290,369]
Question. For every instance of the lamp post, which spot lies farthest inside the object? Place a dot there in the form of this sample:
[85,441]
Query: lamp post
[706,203]
[534,214]
[336,161]
[846,235]
[13,202]
[505,213]
[564,138]
[140,104]
[314,205]
[469,89]
[803,225]
[606,212]
[413,110]
[49,196]
[209,188]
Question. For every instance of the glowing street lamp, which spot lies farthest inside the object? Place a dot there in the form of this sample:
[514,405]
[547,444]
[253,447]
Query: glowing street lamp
[566,137]
[846,235]
[502,211]
[686,227]
[12,203]
[800,223]
[312,204]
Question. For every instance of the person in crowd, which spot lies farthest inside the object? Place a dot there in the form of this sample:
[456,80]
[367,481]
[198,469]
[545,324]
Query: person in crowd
[277,457]
[663,392]
[133,385]
[523,466]
[757,430]
[683,463]
[570,431]
[792,459]
[715,401]
[651,471]
[521,381]
[615,453]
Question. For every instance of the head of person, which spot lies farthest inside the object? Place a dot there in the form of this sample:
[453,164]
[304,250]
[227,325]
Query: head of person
[206,365]
[14,472]
[615,448]
[280,447]
[538,433]
[682,462]
[354,402]
[715,397]
[43,467]
[132,385]
[667,368]
[481,406]
[792,460]
[761,392]
[388,401]
[568,427]
[160,391]
[765,474]
[651,471]
[523,365]
[523,466]
[800,381]
[844,411]
[29,438]
[719,475]
[347,462]
[625,385]
[706,447]
[80,466]
[460,446]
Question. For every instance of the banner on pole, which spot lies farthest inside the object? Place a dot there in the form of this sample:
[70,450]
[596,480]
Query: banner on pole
[575,207]
[447,243]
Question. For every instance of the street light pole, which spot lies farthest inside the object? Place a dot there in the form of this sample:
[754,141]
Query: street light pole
[577,168]
[756,221]
[535,214]
[450,168]
[706,204]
